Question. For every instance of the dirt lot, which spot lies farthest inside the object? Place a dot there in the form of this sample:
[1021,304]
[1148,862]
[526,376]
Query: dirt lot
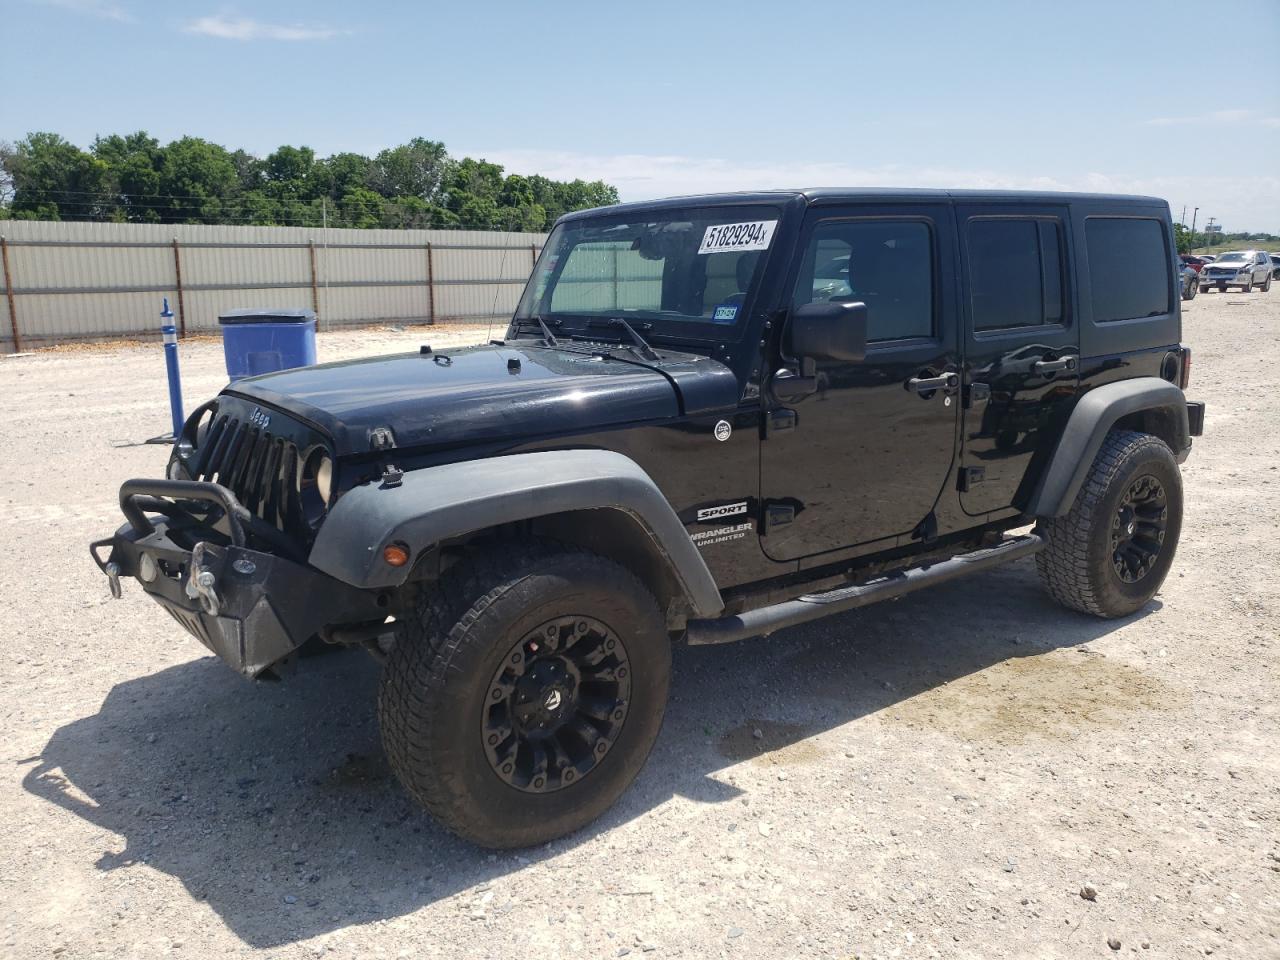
[935,777]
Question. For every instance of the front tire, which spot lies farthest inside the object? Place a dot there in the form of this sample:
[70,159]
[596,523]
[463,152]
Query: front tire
[1109,555]
[525,691]
[1265,287]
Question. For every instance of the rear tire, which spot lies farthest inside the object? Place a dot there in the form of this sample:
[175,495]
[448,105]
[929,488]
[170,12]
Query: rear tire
[1266,284]
[525,691]
[1109,555]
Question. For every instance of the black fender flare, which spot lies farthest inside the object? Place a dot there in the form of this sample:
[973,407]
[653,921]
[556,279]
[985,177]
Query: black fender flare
[435,504]
[1094,415]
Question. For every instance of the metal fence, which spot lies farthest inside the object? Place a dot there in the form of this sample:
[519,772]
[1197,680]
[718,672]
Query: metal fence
[85,281]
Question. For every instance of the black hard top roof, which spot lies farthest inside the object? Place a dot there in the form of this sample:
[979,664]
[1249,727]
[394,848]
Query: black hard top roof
[835,194]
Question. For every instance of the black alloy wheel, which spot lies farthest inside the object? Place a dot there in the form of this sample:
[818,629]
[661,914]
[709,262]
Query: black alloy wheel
[1138,529]
[525,690]
[556,704]
[1113,549]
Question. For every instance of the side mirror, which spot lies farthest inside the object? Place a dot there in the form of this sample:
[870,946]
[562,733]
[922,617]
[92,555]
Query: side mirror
[829,331]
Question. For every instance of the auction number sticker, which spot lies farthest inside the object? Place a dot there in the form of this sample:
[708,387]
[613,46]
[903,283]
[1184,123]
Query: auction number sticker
[721,238]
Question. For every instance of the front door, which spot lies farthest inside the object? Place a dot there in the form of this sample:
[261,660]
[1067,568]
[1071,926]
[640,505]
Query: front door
[1022,346]
[864,456]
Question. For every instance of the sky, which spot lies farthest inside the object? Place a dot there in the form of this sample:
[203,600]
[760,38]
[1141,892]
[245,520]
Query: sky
[663,98]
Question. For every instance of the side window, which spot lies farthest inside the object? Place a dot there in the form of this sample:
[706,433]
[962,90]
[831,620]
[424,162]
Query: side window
[1015,273]
[886,264]
[1128,268]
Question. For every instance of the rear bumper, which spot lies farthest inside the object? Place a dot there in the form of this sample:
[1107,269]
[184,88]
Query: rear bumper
[250,607]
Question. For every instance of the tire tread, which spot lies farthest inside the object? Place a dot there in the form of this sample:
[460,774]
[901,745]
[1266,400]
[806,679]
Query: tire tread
[1064,564]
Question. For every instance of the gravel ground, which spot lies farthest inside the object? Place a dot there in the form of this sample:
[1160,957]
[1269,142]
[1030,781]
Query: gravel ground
[942,776]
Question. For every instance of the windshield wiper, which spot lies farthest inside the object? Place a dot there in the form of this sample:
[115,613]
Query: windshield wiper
[639,344]
[547,336]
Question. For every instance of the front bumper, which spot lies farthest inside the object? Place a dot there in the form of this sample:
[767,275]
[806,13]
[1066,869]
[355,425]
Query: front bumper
[250,607]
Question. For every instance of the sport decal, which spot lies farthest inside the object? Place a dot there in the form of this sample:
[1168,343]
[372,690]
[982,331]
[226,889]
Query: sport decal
[724,237]
[724,510]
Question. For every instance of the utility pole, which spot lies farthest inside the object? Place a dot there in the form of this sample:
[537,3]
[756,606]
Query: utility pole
[1193,226]
[1183,220]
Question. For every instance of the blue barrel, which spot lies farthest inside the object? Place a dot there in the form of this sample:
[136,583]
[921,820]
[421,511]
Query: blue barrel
[263,341]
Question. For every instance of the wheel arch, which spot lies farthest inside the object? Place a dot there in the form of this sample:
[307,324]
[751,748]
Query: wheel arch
[596,499]
[1146,404]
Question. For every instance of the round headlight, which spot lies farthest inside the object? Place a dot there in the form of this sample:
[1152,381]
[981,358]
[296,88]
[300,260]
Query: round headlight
[324,478]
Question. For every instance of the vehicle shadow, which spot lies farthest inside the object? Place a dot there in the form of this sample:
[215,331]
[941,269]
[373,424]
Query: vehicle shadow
[273,803]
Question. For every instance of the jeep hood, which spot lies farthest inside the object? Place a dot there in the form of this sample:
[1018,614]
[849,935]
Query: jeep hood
[488,393]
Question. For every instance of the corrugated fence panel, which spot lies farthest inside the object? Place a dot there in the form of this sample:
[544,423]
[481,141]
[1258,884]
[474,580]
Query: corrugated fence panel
[99,280]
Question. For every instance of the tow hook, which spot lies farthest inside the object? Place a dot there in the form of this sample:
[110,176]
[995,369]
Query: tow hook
[112,570]
[202,582]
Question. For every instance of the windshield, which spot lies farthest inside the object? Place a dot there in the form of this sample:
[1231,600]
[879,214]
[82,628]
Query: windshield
[1235,256]
[686,271]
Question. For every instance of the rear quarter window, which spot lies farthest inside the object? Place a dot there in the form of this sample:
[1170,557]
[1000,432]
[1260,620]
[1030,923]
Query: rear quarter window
[1129,264]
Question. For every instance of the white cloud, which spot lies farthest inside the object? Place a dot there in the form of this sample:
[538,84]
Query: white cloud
[1239,203]
[90,8]
[242,28]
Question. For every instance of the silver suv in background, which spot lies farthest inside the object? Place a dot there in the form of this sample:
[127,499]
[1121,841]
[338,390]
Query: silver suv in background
[1237,268]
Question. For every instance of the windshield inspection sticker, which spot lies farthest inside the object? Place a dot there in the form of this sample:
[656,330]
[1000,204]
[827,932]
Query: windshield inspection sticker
[721,238]
[724,313]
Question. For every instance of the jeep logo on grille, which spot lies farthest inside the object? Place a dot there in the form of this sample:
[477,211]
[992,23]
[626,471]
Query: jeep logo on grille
[259,419]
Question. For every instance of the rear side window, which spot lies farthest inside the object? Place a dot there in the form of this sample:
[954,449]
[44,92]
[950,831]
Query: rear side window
[1015,273]
[1128,268]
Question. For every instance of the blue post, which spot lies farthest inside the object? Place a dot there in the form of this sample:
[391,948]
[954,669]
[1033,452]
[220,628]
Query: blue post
[171,365]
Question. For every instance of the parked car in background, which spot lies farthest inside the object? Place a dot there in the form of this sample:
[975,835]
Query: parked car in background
[1188,280]
[1275,265]
[1238,268]
[1194,261]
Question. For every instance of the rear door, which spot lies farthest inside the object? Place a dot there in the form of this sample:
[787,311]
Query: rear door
[865,457]
[1022,345]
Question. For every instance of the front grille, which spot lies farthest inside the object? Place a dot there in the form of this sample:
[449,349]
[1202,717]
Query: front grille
[262,470]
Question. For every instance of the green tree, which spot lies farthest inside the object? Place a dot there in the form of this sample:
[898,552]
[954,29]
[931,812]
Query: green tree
[361,208]
[133,165]
[338,175]
[131,177]
[415,169]
[199,179]
[52,177]
[250,171]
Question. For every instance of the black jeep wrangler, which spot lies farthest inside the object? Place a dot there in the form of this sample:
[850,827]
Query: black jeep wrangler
[710,418]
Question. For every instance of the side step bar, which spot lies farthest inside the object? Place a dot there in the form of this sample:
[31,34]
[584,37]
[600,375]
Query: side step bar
[789,613]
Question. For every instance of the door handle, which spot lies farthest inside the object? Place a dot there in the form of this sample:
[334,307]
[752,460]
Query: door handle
[1053,366]
[947,381]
